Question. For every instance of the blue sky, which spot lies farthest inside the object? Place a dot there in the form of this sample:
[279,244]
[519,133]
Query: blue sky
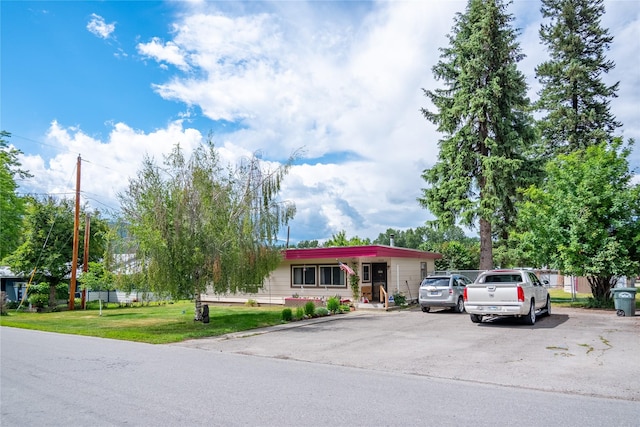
[115,80]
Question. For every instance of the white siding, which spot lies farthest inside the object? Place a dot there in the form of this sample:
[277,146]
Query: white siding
[278,286]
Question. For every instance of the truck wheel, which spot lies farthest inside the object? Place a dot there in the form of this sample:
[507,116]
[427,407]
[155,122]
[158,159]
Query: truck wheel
[459,308]
[426,309]
[530,318]
[547,308]
[475,318]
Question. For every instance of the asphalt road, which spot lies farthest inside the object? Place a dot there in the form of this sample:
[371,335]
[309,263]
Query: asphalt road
[360,369]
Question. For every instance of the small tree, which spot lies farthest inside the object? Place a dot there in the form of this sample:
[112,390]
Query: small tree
[585,218]
[354,282]
[341,240]
[198,224]
[97,278]
[47,248]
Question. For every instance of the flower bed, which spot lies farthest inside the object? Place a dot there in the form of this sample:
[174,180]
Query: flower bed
[300,302]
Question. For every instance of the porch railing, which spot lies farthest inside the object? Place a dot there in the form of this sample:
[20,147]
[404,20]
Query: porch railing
[384,297]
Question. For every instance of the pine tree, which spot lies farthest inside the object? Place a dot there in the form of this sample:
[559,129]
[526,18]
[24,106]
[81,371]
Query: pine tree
[483,114]
[574,97]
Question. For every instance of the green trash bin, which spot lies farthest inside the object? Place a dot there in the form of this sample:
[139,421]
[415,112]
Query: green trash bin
[624,300]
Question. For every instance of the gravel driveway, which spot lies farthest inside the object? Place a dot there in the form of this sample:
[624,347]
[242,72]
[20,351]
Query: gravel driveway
[580,351]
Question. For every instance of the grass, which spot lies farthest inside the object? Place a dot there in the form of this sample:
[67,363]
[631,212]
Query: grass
[154,324]
[564,299]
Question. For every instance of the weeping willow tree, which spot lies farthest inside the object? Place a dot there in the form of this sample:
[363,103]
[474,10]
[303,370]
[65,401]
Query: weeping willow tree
[199,224]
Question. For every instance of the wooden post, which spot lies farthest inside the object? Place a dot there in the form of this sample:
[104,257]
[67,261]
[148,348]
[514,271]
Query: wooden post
[76,243]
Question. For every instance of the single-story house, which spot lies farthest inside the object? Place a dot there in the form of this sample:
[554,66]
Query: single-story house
[320,273]
[14,285]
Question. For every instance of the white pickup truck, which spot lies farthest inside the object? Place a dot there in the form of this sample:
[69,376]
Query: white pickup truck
[516,293]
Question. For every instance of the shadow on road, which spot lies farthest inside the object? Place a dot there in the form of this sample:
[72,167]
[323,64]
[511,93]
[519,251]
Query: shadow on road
[546,322]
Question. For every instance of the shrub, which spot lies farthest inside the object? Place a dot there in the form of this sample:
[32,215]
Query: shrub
[287,315]
[333,304]
[39,300]
[322,311]
[345,307]
[12,305]
[599,303]
[310,308]
[299,313]
[252,303]
[399,299]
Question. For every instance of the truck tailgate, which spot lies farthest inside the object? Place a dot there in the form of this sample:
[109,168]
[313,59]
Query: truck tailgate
[492,293]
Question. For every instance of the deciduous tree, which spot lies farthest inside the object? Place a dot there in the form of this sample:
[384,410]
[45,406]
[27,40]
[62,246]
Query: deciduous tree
[11,204]
[341,239]
[199,224]
[47,247]
[585,218]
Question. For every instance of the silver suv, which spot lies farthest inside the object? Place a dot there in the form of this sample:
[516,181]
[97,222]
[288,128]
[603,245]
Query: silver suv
[443,291]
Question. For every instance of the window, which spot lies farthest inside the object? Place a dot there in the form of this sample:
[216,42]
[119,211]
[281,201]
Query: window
[534,279]
[331,276]
[366,272]
[303,275]
[423,269]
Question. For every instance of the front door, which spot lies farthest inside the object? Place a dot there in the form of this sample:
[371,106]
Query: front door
[378,278]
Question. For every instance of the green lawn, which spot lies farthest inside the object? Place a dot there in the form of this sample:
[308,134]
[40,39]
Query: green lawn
[155,324]
[564,299]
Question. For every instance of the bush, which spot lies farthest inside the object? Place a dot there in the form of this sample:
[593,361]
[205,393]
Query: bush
[39,300]
[322,311]
[399,299]
[600,303]
[12,305]
[345,307]
[299,313]
[252,303]
[333,304]
[310,309]
[287,315]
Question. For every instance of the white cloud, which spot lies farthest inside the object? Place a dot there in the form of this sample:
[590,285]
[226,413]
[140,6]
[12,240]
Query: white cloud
[164,52]
[99,27]
[106,166]
[334,78]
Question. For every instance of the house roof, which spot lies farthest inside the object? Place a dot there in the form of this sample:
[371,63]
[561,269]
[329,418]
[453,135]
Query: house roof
[370,251]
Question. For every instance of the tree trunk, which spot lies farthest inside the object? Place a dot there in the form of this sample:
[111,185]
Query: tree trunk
[601,286]
[52,296]
[198,314]
[486,245]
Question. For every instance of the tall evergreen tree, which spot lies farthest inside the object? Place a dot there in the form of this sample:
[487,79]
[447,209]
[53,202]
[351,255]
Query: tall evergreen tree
[483,113]
[573,96]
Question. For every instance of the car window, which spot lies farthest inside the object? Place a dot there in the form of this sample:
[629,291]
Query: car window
[534,279]
[435,281]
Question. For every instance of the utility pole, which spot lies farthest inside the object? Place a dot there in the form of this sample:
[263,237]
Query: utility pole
[85,258]
[76,243]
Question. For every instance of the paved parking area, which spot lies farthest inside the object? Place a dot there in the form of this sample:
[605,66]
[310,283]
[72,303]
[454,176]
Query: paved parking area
[579,351]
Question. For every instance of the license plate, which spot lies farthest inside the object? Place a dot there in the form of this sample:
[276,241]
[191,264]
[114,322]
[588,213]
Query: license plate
[492,308]
[434,293]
